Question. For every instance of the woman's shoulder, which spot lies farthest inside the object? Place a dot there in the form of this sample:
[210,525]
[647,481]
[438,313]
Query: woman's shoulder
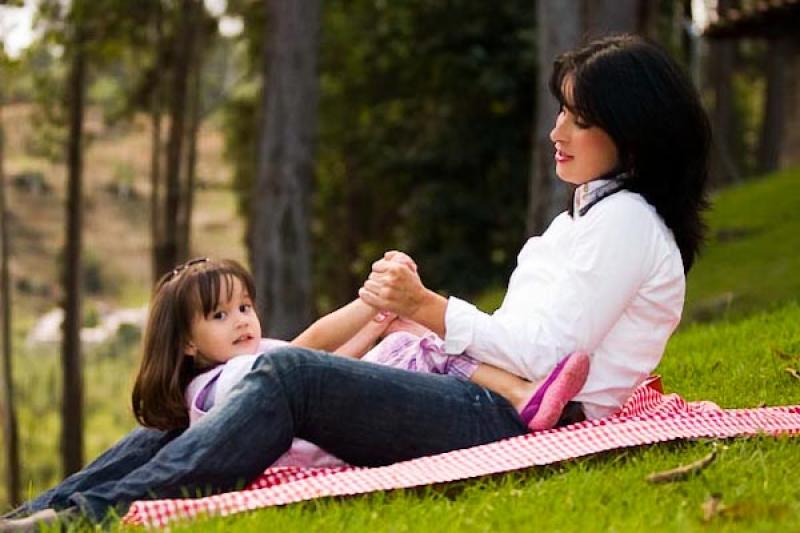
[626,210]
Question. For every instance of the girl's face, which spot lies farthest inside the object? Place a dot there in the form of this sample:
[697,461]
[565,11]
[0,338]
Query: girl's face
[230,330]
[583,152]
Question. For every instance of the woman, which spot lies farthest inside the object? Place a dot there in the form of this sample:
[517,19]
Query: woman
[606,277]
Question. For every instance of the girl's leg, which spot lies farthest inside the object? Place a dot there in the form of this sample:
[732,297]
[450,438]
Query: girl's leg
[366,414]
[540,404]
[513,388]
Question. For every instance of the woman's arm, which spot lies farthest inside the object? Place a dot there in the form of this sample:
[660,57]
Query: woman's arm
[598,274]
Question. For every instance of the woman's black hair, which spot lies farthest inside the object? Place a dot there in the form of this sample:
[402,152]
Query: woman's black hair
[631,88]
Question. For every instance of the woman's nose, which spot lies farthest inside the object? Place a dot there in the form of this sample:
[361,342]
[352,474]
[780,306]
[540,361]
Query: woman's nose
[557,133]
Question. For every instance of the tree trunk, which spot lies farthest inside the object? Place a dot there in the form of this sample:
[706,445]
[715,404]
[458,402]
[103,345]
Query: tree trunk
[606,17]
[72,403]
[280,238]
[169,249]
[560,27]
[771,142]
[190,165]
[723,170]
[156,222]
[723,165]
[8,411]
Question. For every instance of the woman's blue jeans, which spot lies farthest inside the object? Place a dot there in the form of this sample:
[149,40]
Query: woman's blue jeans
[366,414]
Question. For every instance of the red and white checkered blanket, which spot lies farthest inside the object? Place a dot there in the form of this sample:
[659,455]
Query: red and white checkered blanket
[648,417]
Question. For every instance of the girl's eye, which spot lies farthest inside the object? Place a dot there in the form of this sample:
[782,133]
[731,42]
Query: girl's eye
[245,308]
[219,315]
[581,124]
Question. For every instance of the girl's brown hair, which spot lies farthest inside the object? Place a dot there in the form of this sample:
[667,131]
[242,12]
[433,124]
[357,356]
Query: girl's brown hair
[191,289]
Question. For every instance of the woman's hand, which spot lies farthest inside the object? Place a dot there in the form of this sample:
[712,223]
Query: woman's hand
[394,286]
[402,258]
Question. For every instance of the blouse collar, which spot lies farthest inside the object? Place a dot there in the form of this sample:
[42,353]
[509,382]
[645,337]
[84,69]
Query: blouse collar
[591,192]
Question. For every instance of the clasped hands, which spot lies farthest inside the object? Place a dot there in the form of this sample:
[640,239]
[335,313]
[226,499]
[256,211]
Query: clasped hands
[394,285]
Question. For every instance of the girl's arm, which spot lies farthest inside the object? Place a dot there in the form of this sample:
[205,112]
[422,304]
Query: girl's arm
[335,329]
[351,330]
[364,340]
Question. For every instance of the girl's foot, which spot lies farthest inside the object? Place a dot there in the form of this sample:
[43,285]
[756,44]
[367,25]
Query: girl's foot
[46,518]
[562,384]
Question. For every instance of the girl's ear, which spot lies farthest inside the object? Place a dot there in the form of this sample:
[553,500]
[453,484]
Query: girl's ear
[190,349]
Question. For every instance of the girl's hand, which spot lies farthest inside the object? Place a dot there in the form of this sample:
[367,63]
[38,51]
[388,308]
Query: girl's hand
[384,316]
[409,326]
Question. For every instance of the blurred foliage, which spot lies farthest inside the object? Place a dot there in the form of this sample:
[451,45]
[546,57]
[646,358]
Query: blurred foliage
[425,113]
[749,90]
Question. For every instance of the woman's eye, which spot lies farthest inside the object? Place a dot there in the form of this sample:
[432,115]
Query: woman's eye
[581,124]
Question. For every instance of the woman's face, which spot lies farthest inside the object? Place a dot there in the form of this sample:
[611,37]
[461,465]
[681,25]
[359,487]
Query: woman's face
[583,152]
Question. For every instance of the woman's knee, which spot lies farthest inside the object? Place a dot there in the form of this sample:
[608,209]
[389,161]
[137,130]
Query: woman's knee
[290,366]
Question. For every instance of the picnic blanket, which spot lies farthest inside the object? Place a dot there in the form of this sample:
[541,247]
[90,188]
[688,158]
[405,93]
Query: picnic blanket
[649,416]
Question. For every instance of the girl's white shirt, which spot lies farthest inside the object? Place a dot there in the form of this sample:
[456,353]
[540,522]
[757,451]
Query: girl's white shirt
[610,283]
[212,388]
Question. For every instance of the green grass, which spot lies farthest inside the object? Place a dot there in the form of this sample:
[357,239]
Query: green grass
[752,260]
[738,359]
[736,364]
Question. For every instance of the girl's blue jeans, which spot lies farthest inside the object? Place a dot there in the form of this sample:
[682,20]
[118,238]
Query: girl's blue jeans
[366,414]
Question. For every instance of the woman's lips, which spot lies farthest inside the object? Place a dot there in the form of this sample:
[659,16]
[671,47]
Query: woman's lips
[561,157]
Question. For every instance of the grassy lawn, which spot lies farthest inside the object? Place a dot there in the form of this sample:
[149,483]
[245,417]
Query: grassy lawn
[738,359]
[752,260]
[740,334]
[736,364]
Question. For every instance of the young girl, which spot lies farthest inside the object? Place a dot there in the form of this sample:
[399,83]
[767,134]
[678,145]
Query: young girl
[203,336]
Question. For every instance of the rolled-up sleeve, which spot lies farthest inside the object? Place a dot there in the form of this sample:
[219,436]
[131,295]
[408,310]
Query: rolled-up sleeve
[459,319]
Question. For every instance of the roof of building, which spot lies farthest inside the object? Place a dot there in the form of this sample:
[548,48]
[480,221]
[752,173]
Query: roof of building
[761,19]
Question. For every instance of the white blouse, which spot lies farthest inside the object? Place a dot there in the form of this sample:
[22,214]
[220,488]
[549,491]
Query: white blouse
[610,283]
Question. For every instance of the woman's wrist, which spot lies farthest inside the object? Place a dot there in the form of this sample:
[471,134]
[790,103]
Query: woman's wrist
[431,312]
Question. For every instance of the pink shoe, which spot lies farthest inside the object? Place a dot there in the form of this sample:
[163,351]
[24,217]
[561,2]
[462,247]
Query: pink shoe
[561,385]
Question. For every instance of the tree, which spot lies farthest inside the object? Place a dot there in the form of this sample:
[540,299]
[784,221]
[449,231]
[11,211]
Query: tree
[559,29]
[154,87]
[72,404]
[173,84]
[168,252]
[194,119]
[771,139]
[723,168]
[425,120]
[281,208]
[8,411]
